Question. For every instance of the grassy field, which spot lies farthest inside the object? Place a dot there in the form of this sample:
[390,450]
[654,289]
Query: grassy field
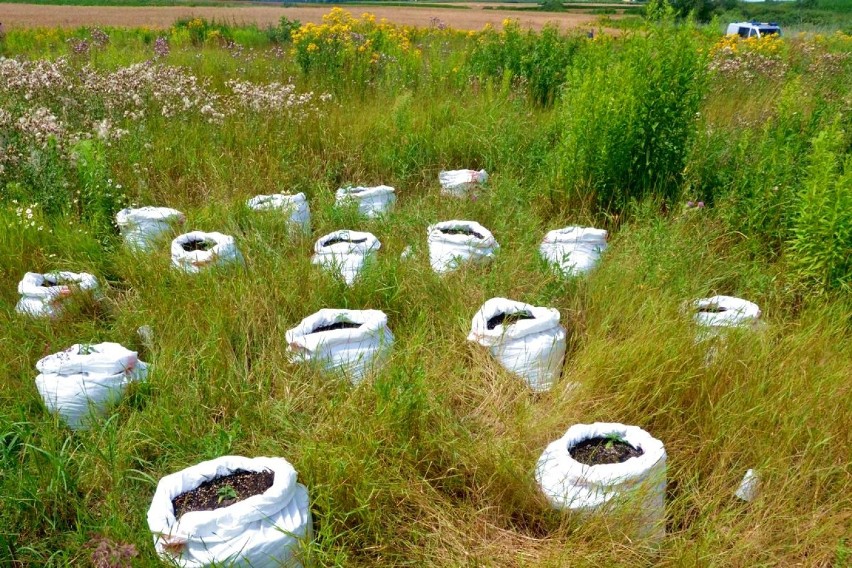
[430,462]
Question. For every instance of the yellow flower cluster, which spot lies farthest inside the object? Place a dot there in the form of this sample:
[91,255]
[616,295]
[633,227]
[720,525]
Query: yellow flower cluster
[733,44]
[342,39]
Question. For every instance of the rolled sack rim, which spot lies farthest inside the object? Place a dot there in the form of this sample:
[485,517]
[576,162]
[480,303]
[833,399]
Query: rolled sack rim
[544,319]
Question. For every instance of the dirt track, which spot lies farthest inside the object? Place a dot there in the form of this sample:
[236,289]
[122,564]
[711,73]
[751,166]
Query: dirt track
[31,15]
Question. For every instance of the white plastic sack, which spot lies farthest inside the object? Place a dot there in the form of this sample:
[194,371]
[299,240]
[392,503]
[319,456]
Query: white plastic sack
[718,313]
[458,183]
[571,485]
[725,311]
[196,250]
[345,252]
[573,250]
[354,351]
[371,201]
[85,380]
[294,206]
[143,226]
[41,294]
[262,531]
[533,348]
[453,243]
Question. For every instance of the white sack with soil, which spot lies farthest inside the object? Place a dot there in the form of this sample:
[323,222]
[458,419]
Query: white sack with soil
[83,381]
[716,314]
[371,201]
[527,340]
[143,226]
[460,183]
[191,252]
[573,250]
[42,294]
[455,243]
[353,342]
[262,531]
[294,207]
[345,252]
[639,481]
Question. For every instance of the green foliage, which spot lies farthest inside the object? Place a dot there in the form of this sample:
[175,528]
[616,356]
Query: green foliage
[821,245]
[552,6]
[98,198]
[628,117]
[283,32]
[226,493]
[541,60]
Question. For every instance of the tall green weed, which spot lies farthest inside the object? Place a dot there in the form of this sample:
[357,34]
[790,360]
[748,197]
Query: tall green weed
[821,244]
[627,117]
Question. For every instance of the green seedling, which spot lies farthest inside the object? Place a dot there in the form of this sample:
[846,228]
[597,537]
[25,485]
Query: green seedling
[226,493]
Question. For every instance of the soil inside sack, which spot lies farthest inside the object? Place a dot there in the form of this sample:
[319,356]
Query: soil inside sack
[223,491]
[462,231]
[508,319]
[712,309]
[49,283]
[197,245]
[336,240]
[336,325]
[597,451]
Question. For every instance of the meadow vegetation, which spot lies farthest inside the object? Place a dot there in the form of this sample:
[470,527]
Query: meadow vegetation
[431,461]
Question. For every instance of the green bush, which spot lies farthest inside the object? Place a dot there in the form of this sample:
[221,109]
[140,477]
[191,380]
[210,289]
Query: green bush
[628,117]
[821,245]
[540,60]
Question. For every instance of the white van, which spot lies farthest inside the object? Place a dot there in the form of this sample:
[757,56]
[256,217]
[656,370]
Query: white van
[753,29]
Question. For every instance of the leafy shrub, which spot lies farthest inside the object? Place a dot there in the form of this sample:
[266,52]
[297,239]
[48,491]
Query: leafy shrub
[541,59]
[283,32]
[627,117]
[821,244]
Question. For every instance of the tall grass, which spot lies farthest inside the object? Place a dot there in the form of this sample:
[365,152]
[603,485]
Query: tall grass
[431,461]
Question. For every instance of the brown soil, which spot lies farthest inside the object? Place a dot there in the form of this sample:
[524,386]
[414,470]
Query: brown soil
[597,451]
[33,15]
[196,245]
[508,319]
[338,325]
[712,310]
[462,231]
[214,494]
[336,240]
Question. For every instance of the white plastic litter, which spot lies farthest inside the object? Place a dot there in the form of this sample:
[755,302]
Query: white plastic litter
[533,348]
[574,486]
[345,252]
[459,183]
[262,531]
[294,206]
[85,380]
[453,243]
[42,294]
[573,250]
[747,490]
[196,250]
[146,335]
[354,351]
[143,226]
[371,201]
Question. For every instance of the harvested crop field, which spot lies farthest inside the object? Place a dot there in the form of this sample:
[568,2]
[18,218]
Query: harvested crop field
[32,15]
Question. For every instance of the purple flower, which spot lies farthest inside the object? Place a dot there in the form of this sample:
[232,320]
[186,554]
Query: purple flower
[700,204]
[690,204]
